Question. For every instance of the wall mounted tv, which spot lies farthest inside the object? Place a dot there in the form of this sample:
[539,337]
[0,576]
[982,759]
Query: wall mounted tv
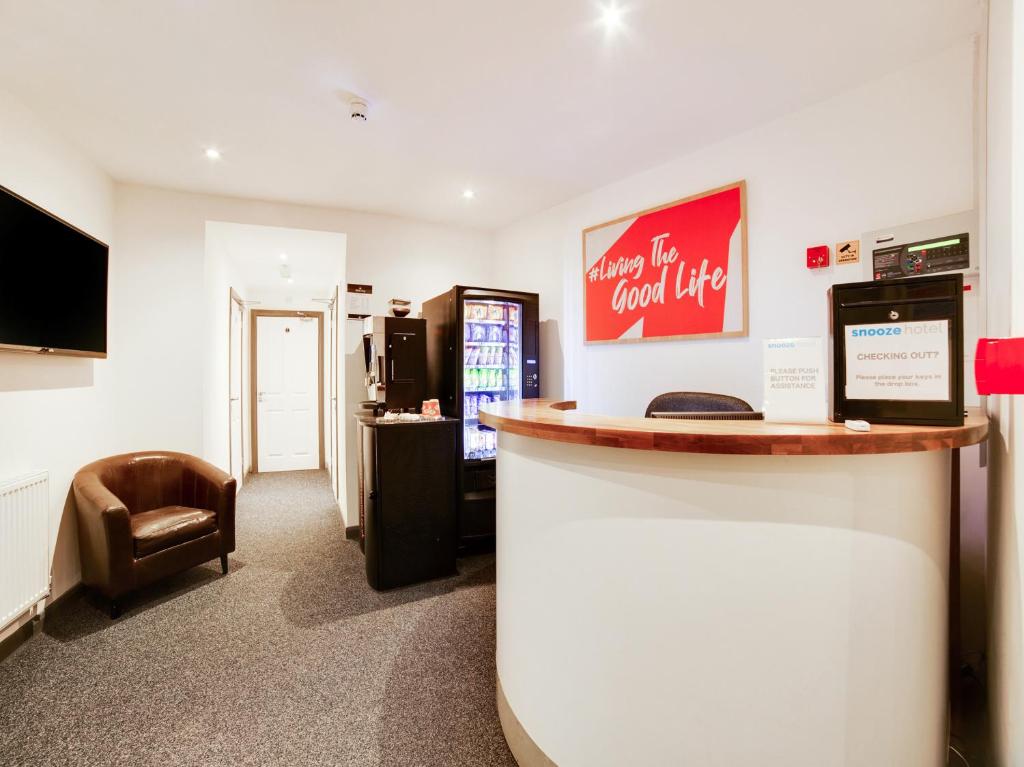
[53,283]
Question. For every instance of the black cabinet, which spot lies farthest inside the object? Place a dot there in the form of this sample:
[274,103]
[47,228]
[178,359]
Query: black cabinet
[407,500]
[897,350]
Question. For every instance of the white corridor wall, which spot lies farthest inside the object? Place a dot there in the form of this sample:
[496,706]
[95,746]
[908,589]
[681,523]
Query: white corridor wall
[856,162]
[161,234]
[53,410]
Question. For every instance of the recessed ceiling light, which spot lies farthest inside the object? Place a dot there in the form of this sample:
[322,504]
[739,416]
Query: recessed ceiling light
[212,153]
[291,280]
[469,194]
[611,17]
[283,256]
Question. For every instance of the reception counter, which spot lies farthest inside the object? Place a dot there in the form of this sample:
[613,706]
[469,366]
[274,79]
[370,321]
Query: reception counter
[721,592]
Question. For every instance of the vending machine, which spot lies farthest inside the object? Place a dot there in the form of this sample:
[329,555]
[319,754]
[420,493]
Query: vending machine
[482,347]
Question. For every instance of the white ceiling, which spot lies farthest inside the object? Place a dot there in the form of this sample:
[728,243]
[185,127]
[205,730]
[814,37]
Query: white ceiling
[316,260]
[527,102]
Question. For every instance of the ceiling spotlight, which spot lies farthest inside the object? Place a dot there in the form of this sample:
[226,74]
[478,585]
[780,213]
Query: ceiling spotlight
[212,153]
[291,280]
[469,194]
[611,17]
[283,256]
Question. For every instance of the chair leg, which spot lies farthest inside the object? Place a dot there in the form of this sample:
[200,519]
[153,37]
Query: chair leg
[224,563]
[115,609]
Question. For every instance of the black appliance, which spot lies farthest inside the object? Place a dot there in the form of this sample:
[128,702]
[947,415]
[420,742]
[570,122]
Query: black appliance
[407,500]
[395,353]
[53,283]
[482,346]
[906,339]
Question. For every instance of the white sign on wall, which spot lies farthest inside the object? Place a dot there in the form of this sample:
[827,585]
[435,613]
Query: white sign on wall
[795,390]
[898,361]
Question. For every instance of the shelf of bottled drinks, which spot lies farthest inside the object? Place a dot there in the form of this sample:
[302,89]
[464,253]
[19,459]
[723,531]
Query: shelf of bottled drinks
[491,373]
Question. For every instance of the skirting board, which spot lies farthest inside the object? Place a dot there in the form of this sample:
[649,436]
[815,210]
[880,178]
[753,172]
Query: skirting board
[19,636]
[526,752]
[28,629]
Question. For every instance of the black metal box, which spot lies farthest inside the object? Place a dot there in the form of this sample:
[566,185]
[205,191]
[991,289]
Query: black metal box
[898,351]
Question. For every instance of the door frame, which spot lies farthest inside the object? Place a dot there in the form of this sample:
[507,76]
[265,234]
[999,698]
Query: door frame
[234,298]
[333,396]
[255,314]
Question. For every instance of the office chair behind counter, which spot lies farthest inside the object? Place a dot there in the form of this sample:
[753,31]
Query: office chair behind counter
[697,402]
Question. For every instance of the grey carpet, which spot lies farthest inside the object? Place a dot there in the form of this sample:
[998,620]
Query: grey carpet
[290,659]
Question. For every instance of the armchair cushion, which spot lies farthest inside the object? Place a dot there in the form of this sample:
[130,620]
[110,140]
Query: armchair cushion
[159,529]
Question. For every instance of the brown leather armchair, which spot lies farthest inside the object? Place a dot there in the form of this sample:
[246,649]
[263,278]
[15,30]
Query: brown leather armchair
[144,516]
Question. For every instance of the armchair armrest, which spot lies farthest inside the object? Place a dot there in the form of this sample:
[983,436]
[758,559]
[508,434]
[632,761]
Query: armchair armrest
[105,535]
[215,491]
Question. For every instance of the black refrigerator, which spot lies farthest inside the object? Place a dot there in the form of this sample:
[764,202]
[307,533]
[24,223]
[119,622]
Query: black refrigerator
[482,346]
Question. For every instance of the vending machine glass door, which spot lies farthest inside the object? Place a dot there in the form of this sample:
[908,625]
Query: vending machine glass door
[491,367]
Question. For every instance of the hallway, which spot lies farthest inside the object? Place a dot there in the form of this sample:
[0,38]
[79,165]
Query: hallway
[289,659]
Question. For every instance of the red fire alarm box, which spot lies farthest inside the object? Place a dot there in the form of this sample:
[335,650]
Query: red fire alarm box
[818,256]
[999,366]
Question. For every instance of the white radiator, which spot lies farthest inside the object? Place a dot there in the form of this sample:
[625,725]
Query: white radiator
[24,544]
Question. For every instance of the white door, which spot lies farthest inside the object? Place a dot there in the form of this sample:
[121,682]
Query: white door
[235,404]
[288,434]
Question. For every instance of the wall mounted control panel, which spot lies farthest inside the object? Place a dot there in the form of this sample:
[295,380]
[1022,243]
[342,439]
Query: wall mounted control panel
[946,253]
[937,246]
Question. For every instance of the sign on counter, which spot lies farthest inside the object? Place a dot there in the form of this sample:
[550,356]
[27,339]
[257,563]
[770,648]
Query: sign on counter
[898,361]
[795,389]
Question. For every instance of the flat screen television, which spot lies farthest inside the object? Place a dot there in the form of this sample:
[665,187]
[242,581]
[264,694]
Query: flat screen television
[53,283]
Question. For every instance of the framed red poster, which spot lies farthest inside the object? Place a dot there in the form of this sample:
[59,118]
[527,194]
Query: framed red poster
[671,272]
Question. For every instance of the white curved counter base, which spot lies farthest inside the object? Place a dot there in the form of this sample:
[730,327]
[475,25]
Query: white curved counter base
[659,608]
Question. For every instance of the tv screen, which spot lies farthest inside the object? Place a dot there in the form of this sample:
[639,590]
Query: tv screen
[53,283]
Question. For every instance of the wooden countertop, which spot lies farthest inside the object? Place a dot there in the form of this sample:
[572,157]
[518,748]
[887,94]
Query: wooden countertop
[560,422]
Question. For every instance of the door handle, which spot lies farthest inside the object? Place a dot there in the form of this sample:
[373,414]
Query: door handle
[260,397]
[235,399]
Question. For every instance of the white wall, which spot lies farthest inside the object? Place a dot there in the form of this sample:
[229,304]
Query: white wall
[162,233]
[1005,232]
[893,151]
[53,410]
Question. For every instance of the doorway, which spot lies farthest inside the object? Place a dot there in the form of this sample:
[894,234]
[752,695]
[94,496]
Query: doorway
[287,377]
[236,421]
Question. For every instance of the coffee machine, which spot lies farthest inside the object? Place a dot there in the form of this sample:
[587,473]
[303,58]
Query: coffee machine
[395,351]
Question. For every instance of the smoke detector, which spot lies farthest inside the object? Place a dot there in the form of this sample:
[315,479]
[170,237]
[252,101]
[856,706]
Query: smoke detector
[358,109]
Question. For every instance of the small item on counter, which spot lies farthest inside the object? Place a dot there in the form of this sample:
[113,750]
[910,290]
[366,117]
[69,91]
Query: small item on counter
[431,407]
[857,425]
[406,417]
